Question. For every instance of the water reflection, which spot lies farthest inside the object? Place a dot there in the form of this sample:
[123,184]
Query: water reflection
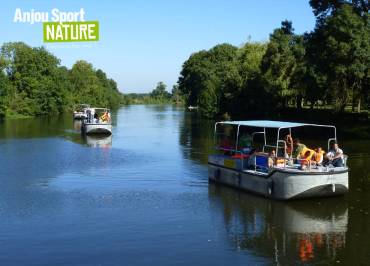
[196,137]
[77,125]
[288,232]
[148,193]
[98,141]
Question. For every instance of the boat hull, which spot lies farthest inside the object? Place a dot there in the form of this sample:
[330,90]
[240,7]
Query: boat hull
[90,129]
[280,184]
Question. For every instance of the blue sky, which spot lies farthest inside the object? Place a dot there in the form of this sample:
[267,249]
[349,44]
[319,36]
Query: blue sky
[143,42]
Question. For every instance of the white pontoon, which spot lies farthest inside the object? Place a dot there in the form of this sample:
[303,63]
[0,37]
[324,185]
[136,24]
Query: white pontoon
[80,111]
[98,141]
[286,178]
[98,121]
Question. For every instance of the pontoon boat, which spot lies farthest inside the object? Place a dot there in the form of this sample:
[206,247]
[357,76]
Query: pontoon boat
[98,121]
[80,111]
[247,166]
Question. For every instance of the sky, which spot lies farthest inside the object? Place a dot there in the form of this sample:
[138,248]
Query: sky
[144,42]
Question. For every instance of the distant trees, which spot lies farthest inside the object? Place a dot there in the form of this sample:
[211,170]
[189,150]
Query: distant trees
[159,95]
[176,95]
[32,82]
[330,64]
[160,92]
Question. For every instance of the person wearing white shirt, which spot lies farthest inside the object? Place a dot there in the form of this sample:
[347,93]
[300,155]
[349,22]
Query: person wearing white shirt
[335,156]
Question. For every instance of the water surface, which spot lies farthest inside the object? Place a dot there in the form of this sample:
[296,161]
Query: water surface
[142,197]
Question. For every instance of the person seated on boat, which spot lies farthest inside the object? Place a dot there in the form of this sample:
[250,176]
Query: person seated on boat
[272,159]
[96,118]
[96,115]
[245,143]
[105,117]
[307,152]
[281,161]
[305,160]
[318,157]
[298,149]
[335,156]
[289,143]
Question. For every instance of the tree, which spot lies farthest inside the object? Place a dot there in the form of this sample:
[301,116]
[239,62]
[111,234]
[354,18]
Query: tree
[250,96]
[160,91]
[177,97]
[341,46]
[4,88]
[209,78]
[324,8]
[32,82]
[194,71]
[283,58]
[32,72]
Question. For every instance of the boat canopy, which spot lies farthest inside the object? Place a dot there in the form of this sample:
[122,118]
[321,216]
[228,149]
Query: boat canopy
[265,124]
[99,109]
[270,124]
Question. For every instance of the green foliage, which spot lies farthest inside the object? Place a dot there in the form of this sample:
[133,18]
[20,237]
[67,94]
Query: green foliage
[176,95]
[329,65]
[324,8]
[32,82]
[341,47]
[282,62]
[160,92]
[4,87]
[159,95]
[209,78]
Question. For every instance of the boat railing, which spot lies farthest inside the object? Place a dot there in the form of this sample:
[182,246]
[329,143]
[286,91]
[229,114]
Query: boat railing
[261,161]
[234,154]
[345,158]
[267,146]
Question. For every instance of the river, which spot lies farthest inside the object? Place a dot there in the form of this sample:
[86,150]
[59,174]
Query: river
[142,197]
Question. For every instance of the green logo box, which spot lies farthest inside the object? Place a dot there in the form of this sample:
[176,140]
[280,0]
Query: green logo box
[77,31]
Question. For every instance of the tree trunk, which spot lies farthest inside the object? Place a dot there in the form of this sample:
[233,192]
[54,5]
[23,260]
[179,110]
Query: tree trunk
[359,105]
[284,100]
[353,99]
[299,102]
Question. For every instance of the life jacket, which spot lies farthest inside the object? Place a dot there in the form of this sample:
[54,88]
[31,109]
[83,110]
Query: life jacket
[304,151]
[105,117]
[319,157]
[280,162]
[306,159]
